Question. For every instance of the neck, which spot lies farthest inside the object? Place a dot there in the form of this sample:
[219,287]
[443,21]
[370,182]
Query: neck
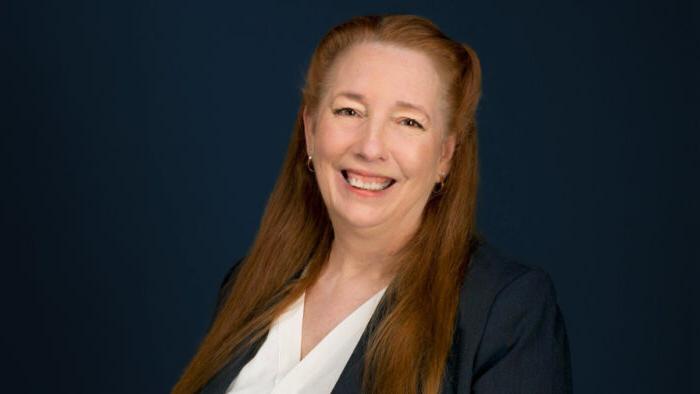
[365,255]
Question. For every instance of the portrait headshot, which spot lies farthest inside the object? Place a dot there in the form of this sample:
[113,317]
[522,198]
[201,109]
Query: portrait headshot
[343,198]
[367,274]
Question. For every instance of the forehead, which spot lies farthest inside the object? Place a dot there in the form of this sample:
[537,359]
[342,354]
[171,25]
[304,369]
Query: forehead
[387,73]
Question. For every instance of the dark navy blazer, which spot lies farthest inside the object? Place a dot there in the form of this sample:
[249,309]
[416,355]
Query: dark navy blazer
[510,336]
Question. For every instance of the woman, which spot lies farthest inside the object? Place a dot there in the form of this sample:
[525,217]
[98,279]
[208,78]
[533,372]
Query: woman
[366,274]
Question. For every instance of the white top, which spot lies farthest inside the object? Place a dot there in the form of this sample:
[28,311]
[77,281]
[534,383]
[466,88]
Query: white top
[276,368]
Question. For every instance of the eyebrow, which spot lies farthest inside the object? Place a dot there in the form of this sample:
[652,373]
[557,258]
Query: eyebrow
[352,96]
[402,104]
[418,108]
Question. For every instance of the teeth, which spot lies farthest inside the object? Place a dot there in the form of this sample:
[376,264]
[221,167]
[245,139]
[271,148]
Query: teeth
[368,185]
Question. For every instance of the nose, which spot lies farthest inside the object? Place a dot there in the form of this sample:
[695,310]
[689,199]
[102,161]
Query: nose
[371,144]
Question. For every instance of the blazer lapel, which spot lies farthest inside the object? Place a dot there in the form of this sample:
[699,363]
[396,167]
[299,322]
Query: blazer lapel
[350,380]
[220,382]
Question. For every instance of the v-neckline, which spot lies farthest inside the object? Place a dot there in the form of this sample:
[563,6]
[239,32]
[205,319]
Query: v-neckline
[291,329]
[321,368]
[363,312]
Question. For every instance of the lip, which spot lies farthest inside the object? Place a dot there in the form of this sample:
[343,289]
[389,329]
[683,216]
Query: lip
[362,192]
[367,174]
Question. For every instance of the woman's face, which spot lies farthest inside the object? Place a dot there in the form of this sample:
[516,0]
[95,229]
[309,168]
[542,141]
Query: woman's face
[378,138]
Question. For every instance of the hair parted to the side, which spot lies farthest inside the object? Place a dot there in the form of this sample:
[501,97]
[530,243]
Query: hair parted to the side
[408,348]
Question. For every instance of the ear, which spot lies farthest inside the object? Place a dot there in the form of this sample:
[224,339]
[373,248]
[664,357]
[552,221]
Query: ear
[447,151]
[308,131]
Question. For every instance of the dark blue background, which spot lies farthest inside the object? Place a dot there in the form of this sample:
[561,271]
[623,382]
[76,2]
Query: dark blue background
[140,140]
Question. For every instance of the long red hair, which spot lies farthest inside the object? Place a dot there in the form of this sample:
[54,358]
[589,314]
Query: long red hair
[408,348]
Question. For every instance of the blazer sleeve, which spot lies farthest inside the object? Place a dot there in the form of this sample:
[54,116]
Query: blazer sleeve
[524,346]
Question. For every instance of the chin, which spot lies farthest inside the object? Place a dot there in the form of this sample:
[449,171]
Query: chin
[361,218]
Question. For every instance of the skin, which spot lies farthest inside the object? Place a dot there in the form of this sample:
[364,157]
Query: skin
[383,113]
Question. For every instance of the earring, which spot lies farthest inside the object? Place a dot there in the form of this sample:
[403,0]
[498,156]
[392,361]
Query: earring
[442,184]
[308,164]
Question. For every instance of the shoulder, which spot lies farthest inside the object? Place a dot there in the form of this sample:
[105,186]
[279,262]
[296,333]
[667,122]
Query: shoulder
[492,275]
[498,288]
[509,325]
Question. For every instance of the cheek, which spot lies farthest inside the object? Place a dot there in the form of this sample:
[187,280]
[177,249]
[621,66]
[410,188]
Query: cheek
[327,147]
[332,140]
[417,158]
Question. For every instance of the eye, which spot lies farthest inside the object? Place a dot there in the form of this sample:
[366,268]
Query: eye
[345,111]
[411,123]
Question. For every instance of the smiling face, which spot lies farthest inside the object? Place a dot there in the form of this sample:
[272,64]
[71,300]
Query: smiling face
[378,138]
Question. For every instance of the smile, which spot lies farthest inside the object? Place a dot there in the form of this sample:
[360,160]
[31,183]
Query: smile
[370,183]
